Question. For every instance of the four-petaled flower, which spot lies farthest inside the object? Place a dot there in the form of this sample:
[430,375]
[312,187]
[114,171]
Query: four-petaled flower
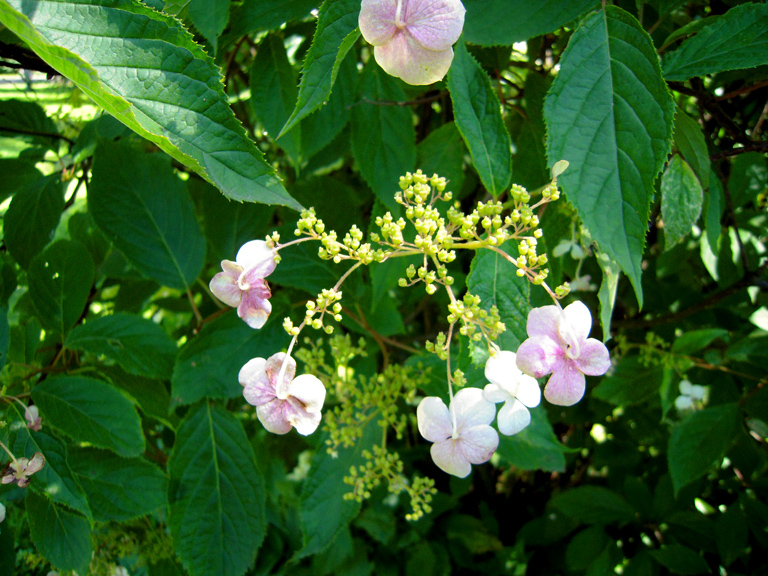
[558,344]
[20,469]
[515,389]
[692,396]
[32,416]
[282,401]
[461,433]
[412,39]
[242,283]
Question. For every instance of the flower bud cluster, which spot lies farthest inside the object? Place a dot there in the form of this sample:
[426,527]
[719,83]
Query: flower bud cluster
[476,322]
[351,247]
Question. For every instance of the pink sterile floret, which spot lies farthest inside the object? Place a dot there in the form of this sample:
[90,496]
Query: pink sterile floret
[242,283]
[32,416]
[282,403]
[412,39]
[558,344]
[20,469]
[461,433]
[515,389]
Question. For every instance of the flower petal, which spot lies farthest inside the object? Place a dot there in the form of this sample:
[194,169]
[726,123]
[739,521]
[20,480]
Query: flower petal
[479,443]
[434,419]
[256,257]
[501,368]
[495,393]
[579,318]
[594,359]
[471,409]
[253,309]
[275,363]
[35,464]
[448,456]
[273,417]
[543,322]
[683,402]
[309,391]
[566,385]
[224,284]
[528,392]
[538,355]
[377,20]
[300,418]
[404,58]
[435,24]
[513,417]
[258,390]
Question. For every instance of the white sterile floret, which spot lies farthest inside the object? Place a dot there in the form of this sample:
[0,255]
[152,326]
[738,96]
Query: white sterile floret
[692,397]
[518,391]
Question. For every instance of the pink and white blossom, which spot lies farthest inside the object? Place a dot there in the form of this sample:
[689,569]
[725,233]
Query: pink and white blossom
[461,433]
[518,391]
[558,345]
[242,284]
[32,416]
[412,39]
[282,401]
[20,469]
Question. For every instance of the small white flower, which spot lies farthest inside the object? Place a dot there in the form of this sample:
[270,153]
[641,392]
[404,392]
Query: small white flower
[692,397]
[518,391]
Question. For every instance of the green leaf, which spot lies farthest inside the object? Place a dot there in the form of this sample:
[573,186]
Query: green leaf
[689,140]
[216,494]
[731,534]
[60,280]
[607,294]
[535,448]
[90,411]
[304,270]
[700,442]
[594,505]
[735,41]
[585,547]
[150,395]
[5,336]
[32,217]
[119,488]
[528,133]
[504,22]
[207,367]
[694,340]
[210,18]
[748,177]
[493,279]
[143,67]
[681,201]
[336,33]
[383,136]
[323,512]
[609,113]
[55,480]
[28,121]
[630,384]
[442,153]
[17,174]
[62,537]
[143,207]
[273,94]
[138,345]
[478,117]
[680,559]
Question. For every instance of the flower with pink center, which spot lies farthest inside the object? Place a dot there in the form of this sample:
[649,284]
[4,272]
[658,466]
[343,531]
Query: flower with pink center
[461,433]
[518,391]
[242,284]
[412,39]
[20,469]
[557,344]
[282,401]
[32,416]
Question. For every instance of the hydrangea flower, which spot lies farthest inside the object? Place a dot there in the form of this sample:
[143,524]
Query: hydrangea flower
[242,284]
[285,404]
[32,416]
[20,469]
[692,396]
[518,391]
[412,39]
[461,433]
[558,345]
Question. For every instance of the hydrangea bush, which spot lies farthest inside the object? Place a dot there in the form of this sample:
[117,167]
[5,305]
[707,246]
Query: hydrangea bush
[393,226]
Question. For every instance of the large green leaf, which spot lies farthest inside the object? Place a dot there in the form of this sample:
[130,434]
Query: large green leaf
[610,114]
[594,505]
[680,559]
[91,411]
[689,140]
[62,537]
[630,384]
[503,22]
[700,442]
[207,367]
[138,345]
[383,137]
[17,173]
[273,94]
[336,33]
[478,117]
[32,217]
[60,280]
[210,17]
[119,488]
[681,200]
[493,279]
[256,15]
[143,67]
[28,121]
[143,207]
[216,495]
[535,448]
[736,40]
